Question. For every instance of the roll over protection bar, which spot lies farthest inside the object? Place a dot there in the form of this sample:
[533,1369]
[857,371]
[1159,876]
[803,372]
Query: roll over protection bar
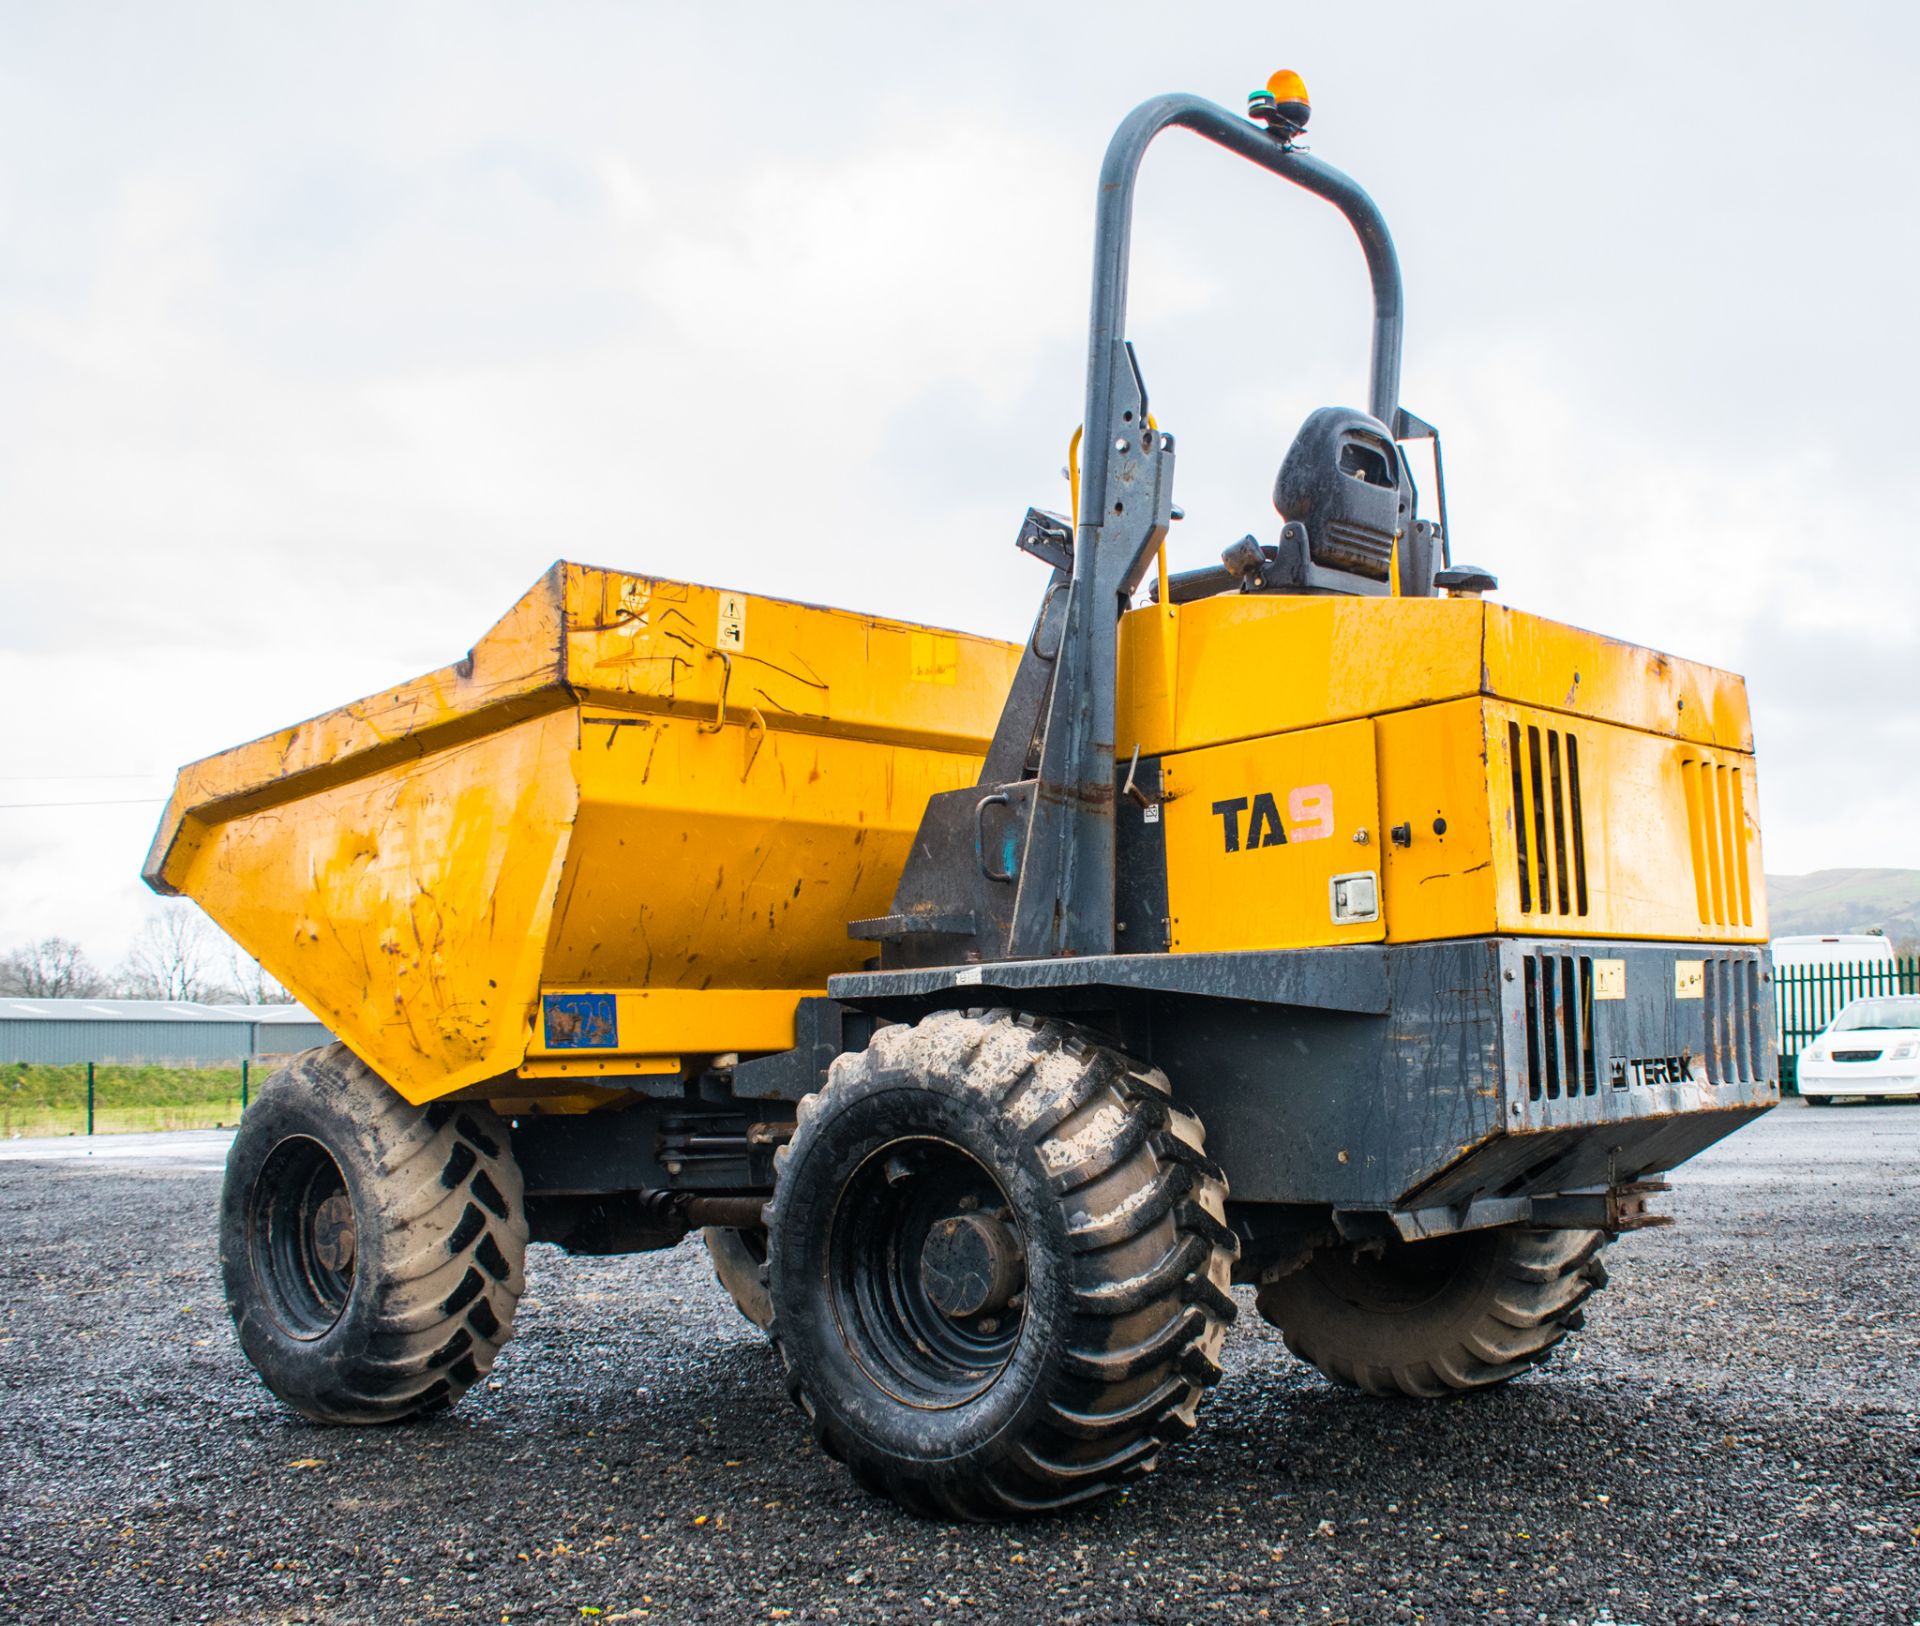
[1113,244]
[1065,878]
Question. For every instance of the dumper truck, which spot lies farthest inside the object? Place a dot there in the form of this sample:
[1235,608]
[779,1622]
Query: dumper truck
[1308,923]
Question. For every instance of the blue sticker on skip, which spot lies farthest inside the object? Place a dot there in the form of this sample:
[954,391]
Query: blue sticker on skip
[581,1021]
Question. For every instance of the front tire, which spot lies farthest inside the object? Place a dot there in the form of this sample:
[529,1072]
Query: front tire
[1437,1317]
[999,1265]
[373,1252]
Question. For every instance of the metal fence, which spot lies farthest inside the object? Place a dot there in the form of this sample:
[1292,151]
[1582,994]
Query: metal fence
[113,1065]
[1808,997]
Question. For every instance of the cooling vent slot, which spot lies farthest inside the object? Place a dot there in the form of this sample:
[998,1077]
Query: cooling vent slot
[1549,824]
[1717,823]
[1560,1059]
[1730,987]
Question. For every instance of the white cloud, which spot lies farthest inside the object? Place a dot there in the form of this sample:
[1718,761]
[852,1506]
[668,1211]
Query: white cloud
[321,335]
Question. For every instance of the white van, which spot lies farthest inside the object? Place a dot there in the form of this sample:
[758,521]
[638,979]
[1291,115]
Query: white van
[1803,1005]
[1849,949]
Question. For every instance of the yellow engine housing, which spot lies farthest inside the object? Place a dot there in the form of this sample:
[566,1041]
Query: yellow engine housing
[1496,772]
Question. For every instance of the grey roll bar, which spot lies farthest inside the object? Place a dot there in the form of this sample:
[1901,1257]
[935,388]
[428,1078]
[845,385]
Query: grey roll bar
[1113,246]
[1065,880]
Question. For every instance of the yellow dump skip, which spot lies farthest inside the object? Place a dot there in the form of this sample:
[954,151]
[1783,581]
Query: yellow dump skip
[650,799]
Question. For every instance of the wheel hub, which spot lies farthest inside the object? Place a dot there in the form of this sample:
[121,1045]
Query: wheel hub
[301,1237]
[971,1265]
[333,1233]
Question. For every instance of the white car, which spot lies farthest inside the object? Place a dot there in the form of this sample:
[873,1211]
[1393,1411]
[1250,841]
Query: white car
[1871,1048]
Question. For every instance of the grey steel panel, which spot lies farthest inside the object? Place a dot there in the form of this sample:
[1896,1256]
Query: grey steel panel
[1342,979]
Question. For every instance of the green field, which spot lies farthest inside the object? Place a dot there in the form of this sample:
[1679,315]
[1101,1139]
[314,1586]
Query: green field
[53,1100]
[1846,900]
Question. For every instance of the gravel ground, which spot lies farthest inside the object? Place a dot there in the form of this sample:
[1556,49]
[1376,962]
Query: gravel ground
[1736,1437]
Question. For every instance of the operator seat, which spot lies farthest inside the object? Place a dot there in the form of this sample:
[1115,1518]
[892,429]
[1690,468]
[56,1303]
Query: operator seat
[1345,495]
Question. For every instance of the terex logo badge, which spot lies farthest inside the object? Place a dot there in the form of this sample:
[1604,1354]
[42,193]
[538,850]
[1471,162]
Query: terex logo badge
[1309,818]
[1685,1068]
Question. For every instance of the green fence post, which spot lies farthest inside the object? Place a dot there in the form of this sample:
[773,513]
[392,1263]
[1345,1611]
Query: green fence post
[89,1098]
[243,1083]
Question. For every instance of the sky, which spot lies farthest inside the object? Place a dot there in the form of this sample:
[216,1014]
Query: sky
[324,330]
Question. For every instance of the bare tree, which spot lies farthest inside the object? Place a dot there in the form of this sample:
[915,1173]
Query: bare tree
[174,957]
[53,968]
[250,982]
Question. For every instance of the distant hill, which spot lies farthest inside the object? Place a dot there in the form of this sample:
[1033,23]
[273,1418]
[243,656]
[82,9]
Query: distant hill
[1846,900]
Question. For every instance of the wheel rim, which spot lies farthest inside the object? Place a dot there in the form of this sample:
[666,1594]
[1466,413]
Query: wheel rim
[926,1272]
[302,1237]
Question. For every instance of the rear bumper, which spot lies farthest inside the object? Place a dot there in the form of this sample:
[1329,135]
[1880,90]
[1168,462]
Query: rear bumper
[1858,1078]
[1616,1061]
[1619,1034]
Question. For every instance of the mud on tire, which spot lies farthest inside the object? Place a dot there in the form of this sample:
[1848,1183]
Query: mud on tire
[999,1265]
[1435,1318]
[373,1252]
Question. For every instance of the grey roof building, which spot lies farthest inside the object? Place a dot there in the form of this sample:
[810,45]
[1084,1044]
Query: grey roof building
[280,1030]
[152,1031]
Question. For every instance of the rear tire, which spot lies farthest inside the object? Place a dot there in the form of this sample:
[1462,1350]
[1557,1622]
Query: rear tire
[740,1265]
[373,1252]
[999,1265]
[1434,1318]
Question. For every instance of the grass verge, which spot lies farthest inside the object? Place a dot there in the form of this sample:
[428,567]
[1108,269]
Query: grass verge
[40,1100]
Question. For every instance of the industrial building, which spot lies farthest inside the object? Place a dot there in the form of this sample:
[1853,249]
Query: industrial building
[163,1032]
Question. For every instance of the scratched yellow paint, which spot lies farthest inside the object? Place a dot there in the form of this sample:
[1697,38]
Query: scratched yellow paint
[935,658]
[1239,665]
[1433,766]
[598,797]
[699,1021]
[1455,763]
[690,871]
[409,907]
[1639,858]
